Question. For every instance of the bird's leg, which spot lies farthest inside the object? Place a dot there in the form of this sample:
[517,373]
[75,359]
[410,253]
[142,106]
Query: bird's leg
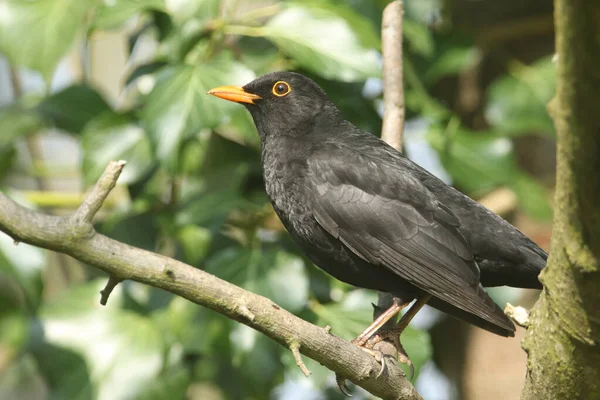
[388,314]
[394,333]
[364,337]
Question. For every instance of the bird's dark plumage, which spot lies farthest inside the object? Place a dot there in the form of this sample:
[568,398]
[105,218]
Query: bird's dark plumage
[371,217]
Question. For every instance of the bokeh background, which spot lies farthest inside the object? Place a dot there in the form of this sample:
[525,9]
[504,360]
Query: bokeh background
[83,82]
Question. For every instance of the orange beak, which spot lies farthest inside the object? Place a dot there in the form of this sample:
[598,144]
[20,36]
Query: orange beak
[234,93]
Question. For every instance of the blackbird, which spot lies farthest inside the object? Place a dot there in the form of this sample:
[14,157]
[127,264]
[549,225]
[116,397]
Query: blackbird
[372,218]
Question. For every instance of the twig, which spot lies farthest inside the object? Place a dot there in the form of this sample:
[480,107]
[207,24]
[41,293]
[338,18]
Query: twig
[110,285]
[75,235]
[94,200]
[393,94]
[295,348]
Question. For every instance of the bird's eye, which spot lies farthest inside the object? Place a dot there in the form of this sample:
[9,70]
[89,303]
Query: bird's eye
[281,88]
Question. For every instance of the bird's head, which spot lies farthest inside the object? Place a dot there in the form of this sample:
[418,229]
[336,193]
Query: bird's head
[281,103]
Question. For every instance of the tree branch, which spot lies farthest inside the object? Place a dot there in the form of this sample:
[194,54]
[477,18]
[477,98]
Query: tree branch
[74,235]
[393,98]
[563,338]
[393,92]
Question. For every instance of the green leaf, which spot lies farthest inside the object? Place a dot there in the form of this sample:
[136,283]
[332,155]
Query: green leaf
[16,122]
[8,155]
[24,265]
[240,128]
[171,384]
[516,104]
[361,26]
[208,209]
[14,325]
[323,42]
[478,161]
[453,60]
[112,14]
[184,323]
[115,137]
[72,108]
[199,10]
[196,242]
[418,37]
[127,352]
[145,69]
[532,197]
[178,106]
[277,275]
[36,34]
[65,372]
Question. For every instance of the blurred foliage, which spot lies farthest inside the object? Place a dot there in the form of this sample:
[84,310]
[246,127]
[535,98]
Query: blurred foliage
[193,185]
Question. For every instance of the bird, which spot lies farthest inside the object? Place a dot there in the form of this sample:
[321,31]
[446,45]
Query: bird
[371,217]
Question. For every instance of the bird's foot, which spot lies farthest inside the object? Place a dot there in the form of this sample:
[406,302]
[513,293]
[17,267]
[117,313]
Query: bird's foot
[392,335]
[379,357]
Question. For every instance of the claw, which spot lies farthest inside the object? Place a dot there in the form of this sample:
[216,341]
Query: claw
[378,356]
[404,359]
[341,382]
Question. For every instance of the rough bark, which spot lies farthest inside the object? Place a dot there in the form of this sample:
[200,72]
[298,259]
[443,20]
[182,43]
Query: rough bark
[75,235]
[563,339]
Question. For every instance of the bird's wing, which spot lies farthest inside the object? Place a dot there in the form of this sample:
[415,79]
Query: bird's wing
[389,218]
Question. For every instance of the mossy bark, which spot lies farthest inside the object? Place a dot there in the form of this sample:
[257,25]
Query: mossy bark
[563,340]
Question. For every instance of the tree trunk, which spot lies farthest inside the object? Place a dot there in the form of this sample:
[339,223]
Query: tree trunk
[563,339]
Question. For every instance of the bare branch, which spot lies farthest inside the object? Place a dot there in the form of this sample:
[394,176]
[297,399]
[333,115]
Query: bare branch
[95,199]
[295,348]
[75,236]
[110,285]
[393,95]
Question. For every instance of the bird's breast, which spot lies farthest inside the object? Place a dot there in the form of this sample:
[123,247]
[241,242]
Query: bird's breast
[287,191]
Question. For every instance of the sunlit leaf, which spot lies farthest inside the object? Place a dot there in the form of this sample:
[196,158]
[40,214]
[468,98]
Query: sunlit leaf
[115,137]
[114,13]
[37,33]
[16,122]
[198,9]
[323,42]
[196,242]
[517,103]
[72,108]
[120,352]
[179,107]
[277,275]
[361,26]
[478,161]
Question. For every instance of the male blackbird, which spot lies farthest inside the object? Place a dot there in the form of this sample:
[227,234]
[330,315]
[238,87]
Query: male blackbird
[372,218]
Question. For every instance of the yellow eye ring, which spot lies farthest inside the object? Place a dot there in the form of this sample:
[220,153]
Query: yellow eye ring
[281,88]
